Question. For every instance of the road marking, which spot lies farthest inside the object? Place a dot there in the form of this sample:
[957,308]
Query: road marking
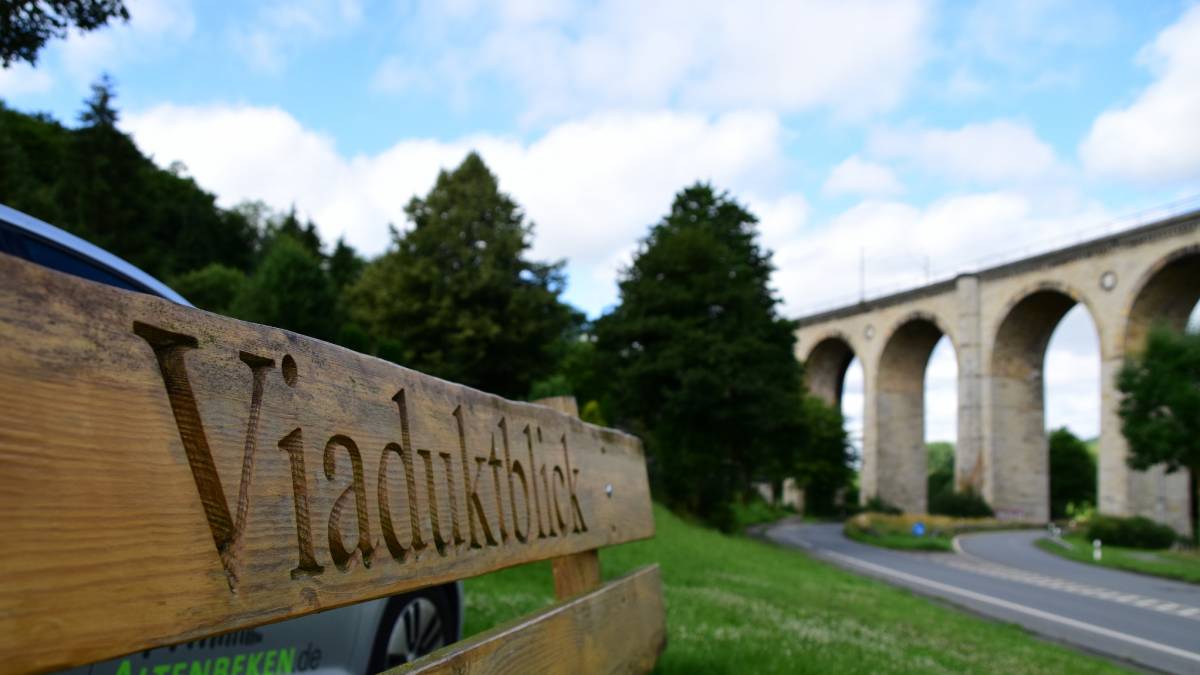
[972,563]
[1012,606]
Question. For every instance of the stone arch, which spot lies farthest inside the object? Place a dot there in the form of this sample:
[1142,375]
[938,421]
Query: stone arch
[1073,294]
[1167,293]
[1019,484]
[900,411]
[825,367]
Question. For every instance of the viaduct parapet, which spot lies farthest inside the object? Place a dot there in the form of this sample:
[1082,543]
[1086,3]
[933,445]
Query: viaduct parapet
[999,321]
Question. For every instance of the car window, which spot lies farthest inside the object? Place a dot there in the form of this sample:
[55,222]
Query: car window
[48,255]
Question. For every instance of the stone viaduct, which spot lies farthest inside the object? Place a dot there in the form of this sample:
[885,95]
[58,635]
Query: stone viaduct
[999,321]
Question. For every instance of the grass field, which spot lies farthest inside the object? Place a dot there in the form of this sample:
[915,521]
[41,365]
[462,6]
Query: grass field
[1180,565]
[737,605]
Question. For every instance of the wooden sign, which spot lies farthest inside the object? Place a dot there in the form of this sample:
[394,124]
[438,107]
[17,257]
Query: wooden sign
[166,473]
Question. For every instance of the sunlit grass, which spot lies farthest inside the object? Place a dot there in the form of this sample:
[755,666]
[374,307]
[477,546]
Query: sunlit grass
[1181,565]
[737,605]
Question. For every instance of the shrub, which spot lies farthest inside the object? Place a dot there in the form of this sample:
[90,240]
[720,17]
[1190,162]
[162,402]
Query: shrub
[755,511]
[877,505]
[883,525]
[965,504]
[1136,532]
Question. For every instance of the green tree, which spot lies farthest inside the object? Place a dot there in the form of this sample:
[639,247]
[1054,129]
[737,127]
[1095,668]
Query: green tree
[1072,472]
[1160,410]
[290,289]
[577,372]
[824,468]
[94,182]
[214,287]
[456,295]
[289,225]
[700,363]
[26,25]
[345,265]
[940,468]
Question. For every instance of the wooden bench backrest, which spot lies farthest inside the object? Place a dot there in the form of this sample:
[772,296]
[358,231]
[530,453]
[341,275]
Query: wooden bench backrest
[168,474]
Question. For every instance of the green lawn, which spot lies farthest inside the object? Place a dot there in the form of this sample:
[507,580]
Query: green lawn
[1181,565]
[737,605]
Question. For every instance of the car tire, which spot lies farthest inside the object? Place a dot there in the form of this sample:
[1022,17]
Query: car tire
[415,624]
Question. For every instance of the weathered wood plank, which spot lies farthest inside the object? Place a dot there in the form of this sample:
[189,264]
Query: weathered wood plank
[618,628]
[576,573]
[168,474]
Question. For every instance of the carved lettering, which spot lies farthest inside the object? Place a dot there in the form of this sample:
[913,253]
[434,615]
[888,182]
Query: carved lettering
[496,464]
[549,518]
[513,466]
[471,488]
[410,481]
[293,445]
[398,550]
[558,473]
[169,348]
[577,522]
[355,491]
[537,505]
[557,487]
[435,520]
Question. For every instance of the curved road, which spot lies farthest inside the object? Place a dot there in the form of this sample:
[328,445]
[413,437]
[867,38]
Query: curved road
[1151,622]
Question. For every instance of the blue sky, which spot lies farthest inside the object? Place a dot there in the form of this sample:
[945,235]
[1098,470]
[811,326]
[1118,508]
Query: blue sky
[923,136]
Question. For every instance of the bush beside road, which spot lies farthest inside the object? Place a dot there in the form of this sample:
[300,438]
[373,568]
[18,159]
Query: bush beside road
[937,533]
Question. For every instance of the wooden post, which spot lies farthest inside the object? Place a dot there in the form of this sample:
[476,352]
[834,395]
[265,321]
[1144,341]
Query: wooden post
[575,573]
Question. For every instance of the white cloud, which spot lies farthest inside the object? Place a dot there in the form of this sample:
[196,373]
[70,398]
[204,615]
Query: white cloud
[1022,32]
[941,394]
[23,79]
[1000,151]
[900,242]
[1157,137]
[591,186]
[282,26]
[857,176]
[854,57]
[153,24]
[1072,375]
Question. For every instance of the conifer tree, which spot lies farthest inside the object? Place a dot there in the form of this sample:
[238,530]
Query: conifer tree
[701,364]
[457,296]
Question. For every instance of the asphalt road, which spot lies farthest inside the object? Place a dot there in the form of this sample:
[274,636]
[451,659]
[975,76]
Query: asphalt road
[1150,622]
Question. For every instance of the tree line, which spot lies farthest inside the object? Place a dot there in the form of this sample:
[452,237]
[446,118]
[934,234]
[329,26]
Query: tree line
[695,358]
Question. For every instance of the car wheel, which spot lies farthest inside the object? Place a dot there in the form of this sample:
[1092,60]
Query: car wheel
[414,625]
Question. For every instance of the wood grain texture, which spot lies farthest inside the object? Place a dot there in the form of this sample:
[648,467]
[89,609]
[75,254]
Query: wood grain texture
[566,405]
[618,628]
[576,573]
[167,474]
